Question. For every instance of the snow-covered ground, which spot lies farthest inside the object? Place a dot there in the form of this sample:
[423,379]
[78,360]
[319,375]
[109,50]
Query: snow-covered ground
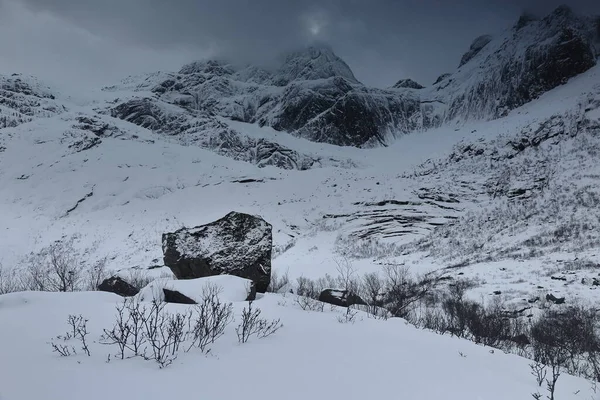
[510,204]
[312,355]
[117,195]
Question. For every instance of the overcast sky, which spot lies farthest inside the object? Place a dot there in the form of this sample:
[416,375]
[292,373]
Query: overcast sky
[95,42]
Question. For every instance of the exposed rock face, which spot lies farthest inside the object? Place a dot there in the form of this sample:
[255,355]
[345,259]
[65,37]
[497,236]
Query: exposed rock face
[312,64]
[340,298]
[173,296]
[192,127]
[408,84]
[237,244]
[516,69]
[118,286]
[442,78]
[475,48]
[23,99]
[315,95]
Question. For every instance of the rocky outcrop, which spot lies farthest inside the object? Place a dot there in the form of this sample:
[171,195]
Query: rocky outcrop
[24,99]
[341,298]
[197,128]
[315,95]
[237,244]
[313,63]
[118,286]
[519,67]
[173,296]
[407,84]
[476,47]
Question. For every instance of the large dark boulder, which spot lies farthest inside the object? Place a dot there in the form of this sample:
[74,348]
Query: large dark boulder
[341,298]
[118,285]
[237,244]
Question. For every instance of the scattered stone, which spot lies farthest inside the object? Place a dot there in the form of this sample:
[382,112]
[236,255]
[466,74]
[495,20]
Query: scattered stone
[554,299]
[118,285]
[340,298]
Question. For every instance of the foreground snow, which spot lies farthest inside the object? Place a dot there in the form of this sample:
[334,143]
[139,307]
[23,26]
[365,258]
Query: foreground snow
[312,356]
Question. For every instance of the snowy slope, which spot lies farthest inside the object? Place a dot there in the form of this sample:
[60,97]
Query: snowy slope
[118,168]
[313,355]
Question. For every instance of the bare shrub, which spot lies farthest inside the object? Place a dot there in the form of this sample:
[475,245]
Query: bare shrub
[277,282]
[348,316]
[309,304]
[567,339]
[539,371]
[306,287]
[56,268]
[372,289]
[123,328]
[77,331]
[253,324]
[152,333]
[160,339]
[347,279]
[96,275]
[138,278]
[9,281]
[401,291]
[210,319]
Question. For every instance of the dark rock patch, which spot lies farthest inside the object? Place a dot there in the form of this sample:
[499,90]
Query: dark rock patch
[118,285]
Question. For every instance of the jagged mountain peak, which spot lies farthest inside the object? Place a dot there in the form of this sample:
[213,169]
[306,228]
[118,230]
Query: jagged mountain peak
[215,67]
[478,44]
[312,63]
[525,19]
[407,84]
[25,85]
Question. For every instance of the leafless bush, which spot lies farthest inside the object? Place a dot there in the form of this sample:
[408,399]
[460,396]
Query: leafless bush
[252,324]
[77,331]
[347,279]
[567,339]
[348,316]
[9,281]
[127,332]
[309,304]
[539,371]
[278,282]
[138,278]
[211,317]
[306,287]
[152,333]
[162,340]
[96,275]
[401,291]
[56,268]
[372,289]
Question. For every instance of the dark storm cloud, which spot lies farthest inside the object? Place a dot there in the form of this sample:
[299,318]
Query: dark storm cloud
[382,40]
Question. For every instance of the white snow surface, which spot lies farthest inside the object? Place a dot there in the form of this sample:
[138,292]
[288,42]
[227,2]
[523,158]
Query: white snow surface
[312,356]
[230,288]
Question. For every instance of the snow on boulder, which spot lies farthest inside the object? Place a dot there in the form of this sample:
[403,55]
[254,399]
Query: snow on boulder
[189,291]
[237,244]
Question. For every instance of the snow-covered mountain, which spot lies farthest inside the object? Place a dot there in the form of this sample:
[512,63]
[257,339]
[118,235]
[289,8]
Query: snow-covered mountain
[168,149]
[315,95]
[490,175]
